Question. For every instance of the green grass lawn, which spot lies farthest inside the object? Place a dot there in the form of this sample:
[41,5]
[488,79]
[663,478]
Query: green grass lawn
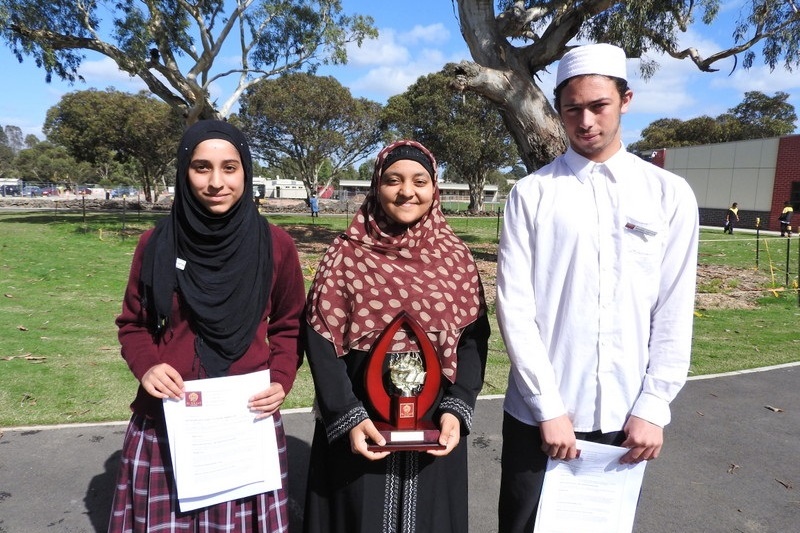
[62,279]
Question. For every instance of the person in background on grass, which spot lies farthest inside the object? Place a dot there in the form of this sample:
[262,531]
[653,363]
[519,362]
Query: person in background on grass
[313,203]
[730,217]
[214,290]
[596,312]
[398,253]
[786,219]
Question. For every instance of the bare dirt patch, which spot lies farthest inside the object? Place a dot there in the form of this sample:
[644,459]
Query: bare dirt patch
[485,256]
[724,287]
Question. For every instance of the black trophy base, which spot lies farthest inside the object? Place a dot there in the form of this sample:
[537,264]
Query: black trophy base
[421,439]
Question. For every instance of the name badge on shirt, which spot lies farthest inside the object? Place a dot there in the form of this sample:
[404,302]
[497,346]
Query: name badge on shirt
[180,264]
[640,229]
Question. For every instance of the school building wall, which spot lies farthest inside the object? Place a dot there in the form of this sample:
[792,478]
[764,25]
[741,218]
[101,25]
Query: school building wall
[760,175]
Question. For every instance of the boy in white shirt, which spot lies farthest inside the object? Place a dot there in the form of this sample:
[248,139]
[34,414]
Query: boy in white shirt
[596,311]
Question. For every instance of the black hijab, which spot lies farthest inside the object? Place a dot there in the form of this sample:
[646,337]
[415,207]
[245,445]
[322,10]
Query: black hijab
[227,274]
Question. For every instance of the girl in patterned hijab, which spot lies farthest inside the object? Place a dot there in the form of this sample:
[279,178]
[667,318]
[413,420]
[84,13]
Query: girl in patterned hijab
[398,255]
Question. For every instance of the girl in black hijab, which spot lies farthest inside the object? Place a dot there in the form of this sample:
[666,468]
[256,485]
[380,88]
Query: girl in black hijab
[214,290]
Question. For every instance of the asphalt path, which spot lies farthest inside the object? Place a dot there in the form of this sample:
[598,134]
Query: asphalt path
[731,463]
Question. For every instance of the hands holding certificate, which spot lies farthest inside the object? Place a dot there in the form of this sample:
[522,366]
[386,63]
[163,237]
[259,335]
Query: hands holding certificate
[558,438]
[642,438]
[218,451]
[163,381]
[267,401]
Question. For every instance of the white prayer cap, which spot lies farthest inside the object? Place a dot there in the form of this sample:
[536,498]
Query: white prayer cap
[604,59]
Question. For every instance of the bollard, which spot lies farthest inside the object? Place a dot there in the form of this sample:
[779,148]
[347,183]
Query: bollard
[758,241]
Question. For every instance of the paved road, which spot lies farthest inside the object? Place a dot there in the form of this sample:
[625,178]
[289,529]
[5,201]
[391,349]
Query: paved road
[731,464]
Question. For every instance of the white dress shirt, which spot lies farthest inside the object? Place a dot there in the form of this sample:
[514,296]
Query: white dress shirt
[595,291]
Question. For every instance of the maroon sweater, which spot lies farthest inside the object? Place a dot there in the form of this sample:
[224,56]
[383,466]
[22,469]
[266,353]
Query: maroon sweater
[276,345]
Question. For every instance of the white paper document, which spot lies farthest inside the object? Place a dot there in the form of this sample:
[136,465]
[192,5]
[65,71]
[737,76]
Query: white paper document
[219,451]
[591,494]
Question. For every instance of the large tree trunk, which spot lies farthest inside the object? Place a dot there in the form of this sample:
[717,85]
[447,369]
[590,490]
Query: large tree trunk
[528,115]
[476,198]
[504,75]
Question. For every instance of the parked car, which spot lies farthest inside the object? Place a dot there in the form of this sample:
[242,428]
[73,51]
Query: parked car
[9,190]
[31,191]
[124,191]
[83,191]
[51,191]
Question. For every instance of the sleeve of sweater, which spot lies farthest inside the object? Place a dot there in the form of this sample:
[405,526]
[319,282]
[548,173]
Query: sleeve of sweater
[459,397]
[336,403]
[287,300]
[138,348]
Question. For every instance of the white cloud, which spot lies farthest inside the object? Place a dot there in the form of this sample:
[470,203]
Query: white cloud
[26,124]
[388,80]
[668,93]
[104,73]
[431,34]
[760,78]
[386,66]
[393,47]
[385,50]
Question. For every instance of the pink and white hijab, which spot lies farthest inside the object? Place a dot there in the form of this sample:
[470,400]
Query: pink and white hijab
[376,269]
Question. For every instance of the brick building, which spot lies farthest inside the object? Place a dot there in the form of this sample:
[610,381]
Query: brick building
[760,175]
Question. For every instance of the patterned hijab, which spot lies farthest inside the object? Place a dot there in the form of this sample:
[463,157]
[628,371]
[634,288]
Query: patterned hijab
[378,268]
[227,274]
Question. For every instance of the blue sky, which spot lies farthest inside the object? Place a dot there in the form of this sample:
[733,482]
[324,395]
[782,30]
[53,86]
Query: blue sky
[419,37]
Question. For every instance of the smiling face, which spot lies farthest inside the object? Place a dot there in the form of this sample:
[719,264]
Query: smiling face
[591,108]
[216,175]
[405,191]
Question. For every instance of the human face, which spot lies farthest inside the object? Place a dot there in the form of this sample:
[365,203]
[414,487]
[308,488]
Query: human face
[591,108]
[405,191]
[216,175]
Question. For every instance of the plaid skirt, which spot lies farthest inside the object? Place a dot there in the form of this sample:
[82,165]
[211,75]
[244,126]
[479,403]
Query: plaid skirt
[145,499]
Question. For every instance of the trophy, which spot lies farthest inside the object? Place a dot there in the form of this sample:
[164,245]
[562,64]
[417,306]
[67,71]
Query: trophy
[402,387]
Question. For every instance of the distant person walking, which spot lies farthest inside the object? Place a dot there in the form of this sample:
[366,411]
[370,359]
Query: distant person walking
[786,219]
[731,216]
[313,203]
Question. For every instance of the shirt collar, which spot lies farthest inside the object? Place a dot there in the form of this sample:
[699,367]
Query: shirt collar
[583,168]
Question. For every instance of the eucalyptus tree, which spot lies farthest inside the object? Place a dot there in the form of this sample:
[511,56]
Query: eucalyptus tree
[763,116]
[464,132]
[512,41]
[298,123]
[180,48]
[47,163]
[101,127]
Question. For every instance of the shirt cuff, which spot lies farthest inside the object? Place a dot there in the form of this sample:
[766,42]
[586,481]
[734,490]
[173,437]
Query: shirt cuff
[546,407]
[653,409]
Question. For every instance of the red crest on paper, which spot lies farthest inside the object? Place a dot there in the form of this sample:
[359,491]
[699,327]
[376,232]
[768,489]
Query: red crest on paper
[194,399]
